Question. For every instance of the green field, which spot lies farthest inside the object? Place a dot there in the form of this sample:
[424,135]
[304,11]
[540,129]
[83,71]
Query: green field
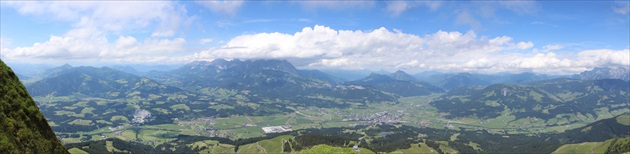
[274,145]
[325,149]
[77,151]
[415,149]
[624,119]
[587,147]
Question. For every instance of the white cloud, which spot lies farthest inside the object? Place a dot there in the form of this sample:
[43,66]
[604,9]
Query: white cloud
[96,21]
[229,7]
[548,48]
[524,45]
[605,57]
[205,41]
[114,16]
[323,47]
[553,47]
[125,42]
[542,61]
[92,45]
[383,49]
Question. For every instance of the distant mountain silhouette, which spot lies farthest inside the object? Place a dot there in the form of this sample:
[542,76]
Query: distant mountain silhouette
[98,82]
[408,87]
[266,78]
[316,74]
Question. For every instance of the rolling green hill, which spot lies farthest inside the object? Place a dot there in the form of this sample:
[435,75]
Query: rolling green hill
[23,129]
[586,147]
[612,146]
[329,149]
[615,127]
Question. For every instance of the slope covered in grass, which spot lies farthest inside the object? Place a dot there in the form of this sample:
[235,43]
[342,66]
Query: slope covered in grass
[23,129]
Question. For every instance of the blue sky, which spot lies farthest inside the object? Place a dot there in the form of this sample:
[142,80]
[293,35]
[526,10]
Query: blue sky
[557,37]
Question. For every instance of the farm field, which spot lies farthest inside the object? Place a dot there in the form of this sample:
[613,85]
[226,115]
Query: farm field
[586,147]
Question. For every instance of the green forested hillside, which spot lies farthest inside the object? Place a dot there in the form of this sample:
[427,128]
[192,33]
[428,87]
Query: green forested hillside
[612,146]
[619,146]
[23,129]
[616,127]
[543,100]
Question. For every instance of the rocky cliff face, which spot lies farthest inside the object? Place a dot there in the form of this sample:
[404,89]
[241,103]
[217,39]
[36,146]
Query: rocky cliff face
[23,129]
[622,73]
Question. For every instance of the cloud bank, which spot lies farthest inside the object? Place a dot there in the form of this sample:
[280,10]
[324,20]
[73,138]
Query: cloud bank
[99,28]
[383,49]
[322,47]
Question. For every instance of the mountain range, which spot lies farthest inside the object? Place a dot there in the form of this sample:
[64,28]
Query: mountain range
[622,73]
[85,99]
[101,82]
[268,78]
[449,81]
[544,99]
[271,79]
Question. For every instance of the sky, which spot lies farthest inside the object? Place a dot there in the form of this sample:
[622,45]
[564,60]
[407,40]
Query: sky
[547,37]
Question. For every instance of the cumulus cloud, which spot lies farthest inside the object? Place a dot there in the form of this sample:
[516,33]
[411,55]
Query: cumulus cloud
[323,47]
[114,16]
[383,49]
[89,44]
[548,48]
[98,30]
[605,57]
